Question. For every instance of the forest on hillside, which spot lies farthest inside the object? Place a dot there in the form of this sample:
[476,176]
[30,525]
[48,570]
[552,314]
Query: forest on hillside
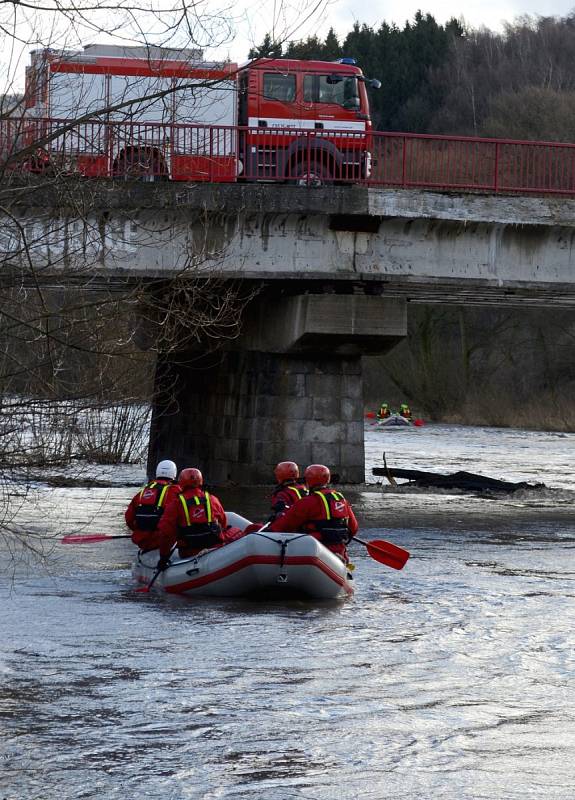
[469,364]
[450,79]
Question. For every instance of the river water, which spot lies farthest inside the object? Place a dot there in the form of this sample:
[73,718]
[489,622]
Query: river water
[450,679]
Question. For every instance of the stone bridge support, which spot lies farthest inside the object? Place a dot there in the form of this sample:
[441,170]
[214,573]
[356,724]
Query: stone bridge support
[292,390]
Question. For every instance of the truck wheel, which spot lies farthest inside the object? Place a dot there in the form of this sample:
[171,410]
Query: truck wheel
[38,163]
[140,163]
[312,174]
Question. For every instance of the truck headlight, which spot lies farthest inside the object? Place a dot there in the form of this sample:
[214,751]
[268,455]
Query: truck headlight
[368,164]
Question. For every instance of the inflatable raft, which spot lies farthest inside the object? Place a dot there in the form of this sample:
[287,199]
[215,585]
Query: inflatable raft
[266,564]
[394,421]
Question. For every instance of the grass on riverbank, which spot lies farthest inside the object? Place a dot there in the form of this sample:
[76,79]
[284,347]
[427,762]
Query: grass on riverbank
[546,413]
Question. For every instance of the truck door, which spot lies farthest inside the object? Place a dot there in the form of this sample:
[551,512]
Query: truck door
[332,103]
[274,111]
[278,106]
[75,91]
[243,99]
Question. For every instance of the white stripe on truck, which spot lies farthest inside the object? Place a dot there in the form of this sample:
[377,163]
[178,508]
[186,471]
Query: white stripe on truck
[307,124]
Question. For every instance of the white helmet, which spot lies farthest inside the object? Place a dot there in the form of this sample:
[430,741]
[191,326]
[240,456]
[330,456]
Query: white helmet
[166,469]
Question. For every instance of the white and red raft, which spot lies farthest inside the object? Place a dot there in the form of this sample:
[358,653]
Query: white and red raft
[266,564]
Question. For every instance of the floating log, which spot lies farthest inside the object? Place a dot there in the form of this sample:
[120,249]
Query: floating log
[457,480]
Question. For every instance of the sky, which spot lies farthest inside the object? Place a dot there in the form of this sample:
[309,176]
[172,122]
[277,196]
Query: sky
[478,13]
[341,14]
[239,24]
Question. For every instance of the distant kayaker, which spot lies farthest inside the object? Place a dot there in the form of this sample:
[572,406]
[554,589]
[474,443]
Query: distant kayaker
[147,507]
[195,520]
[289,488]
[325,513]
[384,411]
[405,411]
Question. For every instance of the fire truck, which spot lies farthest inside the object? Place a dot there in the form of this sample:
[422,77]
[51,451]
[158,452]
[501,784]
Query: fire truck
[155,113]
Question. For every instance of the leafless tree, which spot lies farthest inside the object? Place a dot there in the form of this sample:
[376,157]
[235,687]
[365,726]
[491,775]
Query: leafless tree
[74,382]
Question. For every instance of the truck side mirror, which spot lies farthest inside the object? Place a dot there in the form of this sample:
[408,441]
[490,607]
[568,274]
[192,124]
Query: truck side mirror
[375,84]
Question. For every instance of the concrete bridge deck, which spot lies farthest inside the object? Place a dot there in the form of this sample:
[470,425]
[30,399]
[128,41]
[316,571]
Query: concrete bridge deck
[420,245]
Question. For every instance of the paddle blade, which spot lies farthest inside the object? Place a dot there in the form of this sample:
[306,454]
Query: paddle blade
[370,414]
[145,589]
[418,423]
[387,553]
[87,538]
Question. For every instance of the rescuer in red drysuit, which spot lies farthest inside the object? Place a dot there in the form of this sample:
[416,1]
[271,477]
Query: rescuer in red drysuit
[195,520]
[147,507]
[384,411]
[405,411]
[289,488]
[325,513]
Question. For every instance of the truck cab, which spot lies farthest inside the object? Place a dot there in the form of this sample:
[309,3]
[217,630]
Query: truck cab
[327,99]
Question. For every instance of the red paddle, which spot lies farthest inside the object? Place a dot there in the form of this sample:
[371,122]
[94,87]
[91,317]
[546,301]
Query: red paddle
[385,552]
[87,538]
[145,589]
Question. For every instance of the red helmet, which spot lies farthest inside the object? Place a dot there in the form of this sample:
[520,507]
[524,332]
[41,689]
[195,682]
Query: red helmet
[317,475]
[286,470]
[190,477]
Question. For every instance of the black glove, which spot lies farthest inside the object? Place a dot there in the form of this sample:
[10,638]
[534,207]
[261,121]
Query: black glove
[163,563]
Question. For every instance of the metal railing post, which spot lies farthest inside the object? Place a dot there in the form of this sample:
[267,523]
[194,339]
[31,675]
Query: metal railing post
[404,161]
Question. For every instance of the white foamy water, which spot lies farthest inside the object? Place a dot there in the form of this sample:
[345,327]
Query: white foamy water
[505,453]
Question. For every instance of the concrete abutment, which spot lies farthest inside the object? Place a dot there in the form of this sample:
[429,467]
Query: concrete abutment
[235,414]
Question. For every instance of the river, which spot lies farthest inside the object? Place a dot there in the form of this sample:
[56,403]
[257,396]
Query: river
[450,679]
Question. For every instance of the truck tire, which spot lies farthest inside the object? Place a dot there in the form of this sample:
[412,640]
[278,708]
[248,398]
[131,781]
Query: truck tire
[313,174]
[140,163]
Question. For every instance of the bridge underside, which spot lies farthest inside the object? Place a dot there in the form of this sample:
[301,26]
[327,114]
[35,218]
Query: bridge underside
[293,392]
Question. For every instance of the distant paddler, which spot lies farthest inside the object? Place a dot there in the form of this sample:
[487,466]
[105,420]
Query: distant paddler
[405,412]
[384,411]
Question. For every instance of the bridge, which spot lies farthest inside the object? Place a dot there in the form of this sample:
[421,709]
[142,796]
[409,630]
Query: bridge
[333,270]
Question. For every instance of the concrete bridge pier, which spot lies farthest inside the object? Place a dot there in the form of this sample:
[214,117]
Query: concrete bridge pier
[292,392]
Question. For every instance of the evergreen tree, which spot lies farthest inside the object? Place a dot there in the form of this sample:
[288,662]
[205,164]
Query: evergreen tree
[331,47]
[267,49]
[310,49]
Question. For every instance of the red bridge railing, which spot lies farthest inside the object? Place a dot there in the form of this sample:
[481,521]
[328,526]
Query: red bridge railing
[203,153]
[473,164]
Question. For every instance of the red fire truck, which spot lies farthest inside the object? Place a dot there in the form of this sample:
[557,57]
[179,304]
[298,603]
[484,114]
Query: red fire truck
[110,111]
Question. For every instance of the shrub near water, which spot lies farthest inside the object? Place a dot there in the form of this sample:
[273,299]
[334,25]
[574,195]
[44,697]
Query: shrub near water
[114,434]
[38,433]
[548,413]
[502,367]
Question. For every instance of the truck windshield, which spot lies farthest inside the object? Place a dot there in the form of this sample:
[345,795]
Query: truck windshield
[334,89]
